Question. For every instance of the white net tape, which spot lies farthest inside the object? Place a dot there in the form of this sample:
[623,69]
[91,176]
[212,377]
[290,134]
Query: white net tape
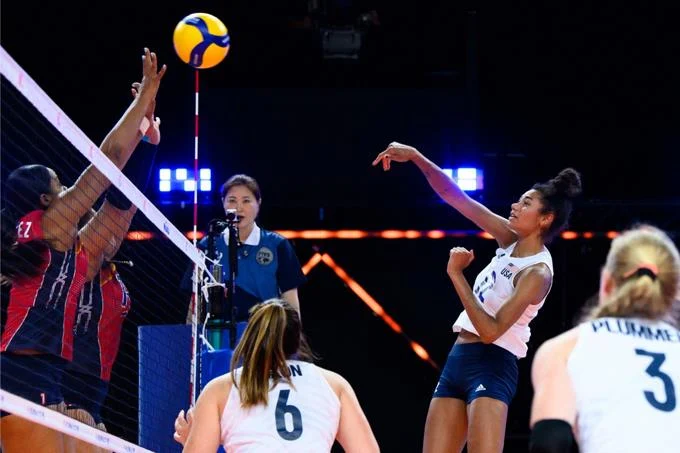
[52,419]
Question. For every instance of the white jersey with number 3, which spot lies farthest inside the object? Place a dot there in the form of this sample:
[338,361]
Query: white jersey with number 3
[302,418]
[626,375]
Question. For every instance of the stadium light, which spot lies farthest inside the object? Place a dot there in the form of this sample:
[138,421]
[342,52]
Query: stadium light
[184,180]
[469,179]
[189,185]
[164,185]
[181,174]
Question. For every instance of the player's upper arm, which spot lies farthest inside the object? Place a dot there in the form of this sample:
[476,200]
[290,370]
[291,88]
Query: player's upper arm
[554,396]
[532,287]
[487,220]
[64,213]
[354,432]
[103,235]
[205,434]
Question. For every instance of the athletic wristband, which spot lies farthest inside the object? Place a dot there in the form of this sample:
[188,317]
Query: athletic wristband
[116,198]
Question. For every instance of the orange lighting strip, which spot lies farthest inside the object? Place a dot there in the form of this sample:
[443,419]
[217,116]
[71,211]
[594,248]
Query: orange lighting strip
[384,234]
[369,301]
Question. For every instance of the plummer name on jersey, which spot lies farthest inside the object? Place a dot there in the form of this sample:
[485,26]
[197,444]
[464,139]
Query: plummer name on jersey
[659,332]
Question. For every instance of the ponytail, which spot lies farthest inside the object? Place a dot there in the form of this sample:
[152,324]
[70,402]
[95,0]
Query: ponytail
[644,266]
[272,336]
[640,296]
[558,196]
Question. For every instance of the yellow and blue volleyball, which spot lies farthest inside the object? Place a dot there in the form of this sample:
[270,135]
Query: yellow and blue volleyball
[201,40]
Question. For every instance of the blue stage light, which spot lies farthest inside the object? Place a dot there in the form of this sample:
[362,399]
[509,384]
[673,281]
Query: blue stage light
[189,185]
[469,179]
[181,174]
[164,185]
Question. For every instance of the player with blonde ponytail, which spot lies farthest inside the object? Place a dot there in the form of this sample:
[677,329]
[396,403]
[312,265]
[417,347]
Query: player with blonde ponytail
[614,379]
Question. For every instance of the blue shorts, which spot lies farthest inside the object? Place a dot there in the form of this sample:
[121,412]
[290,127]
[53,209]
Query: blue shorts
[36,378]
[473,370]
[83,391]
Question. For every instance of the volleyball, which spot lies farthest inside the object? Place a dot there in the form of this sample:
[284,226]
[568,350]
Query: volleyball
[201,40]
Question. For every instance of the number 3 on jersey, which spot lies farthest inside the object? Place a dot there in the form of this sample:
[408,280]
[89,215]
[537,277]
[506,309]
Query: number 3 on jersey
[654,370]
[283,408]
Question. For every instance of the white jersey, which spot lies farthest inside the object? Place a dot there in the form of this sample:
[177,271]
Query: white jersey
[626,376]
[494,285]
[303,418]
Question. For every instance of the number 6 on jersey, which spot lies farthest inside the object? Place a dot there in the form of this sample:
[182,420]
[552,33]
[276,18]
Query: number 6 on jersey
[282,408]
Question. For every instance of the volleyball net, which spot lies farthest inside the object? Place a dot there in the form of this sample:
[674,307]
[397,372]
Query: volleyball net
[139,378]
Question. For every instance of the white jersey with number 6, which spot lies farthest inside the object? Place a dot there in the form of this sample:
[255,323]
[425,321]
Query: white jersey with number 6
[299,418]
[626,376]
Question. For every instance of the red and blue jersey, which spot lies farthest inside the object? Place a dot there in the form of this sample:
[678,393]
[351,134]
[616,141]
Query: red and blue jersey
[42,309]
[103,305]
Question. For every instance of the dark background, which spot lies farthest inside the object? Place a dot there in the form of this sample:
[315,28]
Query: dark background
[520,90]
